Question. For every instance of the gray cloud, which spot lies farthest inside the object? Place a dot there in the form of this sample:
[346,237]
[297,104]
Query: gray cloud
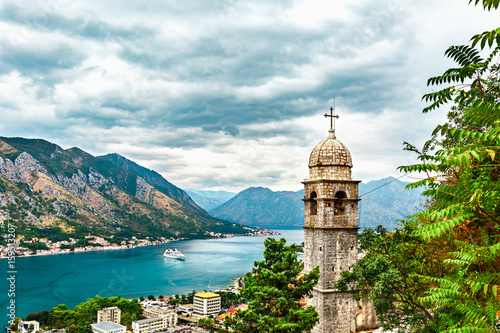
[45,19]
[226,93]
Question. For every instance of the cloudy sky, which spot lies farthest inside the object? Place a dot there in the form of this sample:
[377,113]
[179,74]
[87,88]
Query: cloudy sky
[227,94]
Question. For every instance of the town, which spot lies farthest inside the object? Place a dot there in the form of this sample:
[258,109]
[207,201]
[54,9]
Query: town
[205,312]
[98,243]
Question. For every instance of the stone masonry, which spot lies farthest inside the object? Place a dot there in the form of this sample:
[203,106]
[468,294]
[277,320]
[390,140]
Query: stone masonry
[331,232]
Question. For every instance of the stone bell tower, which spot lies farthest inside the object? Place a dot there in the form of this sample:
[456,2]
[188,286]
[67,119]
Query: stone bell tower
[331,231]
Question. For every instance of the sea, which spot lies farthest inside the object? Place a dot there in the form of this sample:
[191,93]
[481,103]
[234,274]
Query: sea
[43,282]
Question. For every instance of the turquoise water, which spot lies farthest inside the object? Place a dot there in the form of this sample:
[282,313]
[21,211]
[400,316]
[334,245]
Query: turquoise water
[46,281]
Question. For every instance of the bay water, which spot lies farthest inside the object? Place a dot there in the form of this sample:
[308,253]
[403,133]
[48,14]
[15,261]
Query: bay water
[43,282]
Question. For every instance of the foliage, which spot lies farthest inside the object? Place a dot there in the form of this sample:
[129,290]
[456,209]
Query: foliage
[275,289]
[14,324]
[34,246]
[386,276]
[229,300]
[79,319]
[207,323]
[463,182]
[441,272]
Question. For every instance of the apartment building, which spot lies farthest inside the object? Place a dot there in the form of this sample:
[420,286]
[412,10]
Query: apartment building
[206,304]
[112,314]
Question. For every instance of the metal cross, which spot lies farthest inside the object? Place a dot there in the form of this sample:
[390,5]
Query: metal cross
[331,116]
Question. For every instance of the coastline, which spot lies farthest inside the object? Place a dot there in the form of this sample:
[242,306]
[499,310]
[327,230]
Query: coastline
[87,249]
[4,253]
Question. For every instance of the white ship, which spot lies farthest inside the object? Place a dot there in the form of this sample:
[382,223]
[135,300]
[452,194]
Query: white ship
[174,254]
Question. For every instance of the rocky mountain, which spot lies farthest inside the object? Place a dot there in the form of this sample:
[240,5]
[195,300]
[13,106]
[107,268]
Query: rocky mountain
[259,206]
[209,199]
[155,179]
[383,202]
[45,190]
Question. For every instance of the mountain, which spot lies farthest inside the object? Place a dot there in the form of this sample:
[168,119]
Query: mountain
[155,179]
[209,199]
[50,191]
[383,202]
[259,206]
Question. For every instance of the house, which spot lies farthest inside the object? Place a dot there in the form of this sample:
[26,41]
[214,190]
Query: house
[186,309]
[28,326]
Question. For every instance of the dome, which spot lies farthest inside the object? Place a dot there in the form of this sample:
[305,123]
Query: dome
[330,152]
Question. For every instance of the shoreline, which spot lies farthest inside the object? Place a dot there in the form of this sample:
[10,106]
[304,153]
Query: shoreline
[126,247]
[93,249]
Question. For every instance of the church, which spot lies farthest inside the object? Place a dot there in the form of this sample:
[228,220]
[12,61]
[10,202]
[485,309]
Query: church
[331,235]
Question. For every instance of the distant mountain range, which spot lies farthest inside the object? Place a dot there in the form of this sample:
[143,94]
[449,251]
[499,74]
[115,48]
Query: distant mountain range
[263,207]
[209,199]
[383,202]
[47,190]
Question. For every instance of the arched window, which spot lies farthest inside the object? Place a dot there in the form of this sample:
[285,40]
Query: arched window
[340,203]
[313,204]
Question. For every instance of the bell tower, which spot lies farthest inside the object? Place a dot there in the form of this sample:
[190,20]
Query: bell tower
[331,231]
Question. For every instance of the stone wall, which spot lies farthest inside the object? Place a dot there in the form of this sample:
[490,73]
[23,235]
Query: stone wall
[337,310]
[366,318]
[333,250]
[330,172]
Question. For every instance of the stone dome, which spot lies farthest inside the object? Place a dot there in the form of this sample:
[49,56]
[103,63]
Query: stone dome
[330,152]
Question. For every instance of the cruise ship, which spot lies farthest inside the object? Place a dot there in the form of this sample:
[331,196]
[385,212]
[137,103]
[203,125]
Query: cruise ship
[174,254]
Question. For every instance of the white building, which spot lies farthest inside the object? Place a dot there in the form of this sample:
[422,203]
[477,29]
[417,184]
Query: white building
[206,304]
[113,314]
[154,311]
[186,309]
[28,326]
[108,327]
[155,324]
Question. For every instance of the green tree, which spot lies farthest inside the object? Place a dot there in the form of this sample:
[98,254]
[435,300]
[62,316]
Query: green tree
[386,276]
[190,297]
[15,323]
[275,290]
[43,317]
[32,316]
[465,192]
[80,318]
[458,234]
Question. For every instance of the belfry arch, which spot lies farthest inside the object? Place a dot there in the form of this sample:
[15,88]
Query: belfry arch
[340,203]
[313,204]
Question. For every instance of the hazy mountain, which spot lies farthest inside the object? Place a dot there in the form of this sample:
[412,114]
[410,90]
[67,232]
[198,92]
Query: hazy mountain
[209,199]
[44,187]
[386,202]
[260,206]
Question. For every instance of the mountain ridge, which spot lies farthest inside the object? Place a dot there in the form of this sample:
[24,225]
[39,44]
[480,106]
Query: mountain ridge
[46,188]
[384,202]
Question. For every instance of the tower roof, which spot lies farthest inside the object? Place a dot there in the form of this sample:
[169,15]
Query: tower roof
[330,152]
